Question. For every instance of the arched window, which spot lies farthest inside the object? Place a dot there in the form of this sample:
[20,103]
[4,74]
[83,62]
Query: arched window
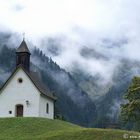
[47,108]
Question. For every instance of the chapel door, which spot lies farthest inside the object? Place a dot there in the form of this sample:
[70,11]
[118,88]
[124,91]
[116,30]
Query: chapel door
[19,111]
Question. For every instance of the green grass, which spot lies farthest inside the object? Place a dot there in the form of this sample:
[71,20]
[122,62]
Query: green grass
[45,129]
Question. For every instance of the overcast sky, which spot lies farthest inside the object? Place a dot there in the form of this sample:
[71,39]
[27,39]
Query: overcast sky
[111,27]
[39,17]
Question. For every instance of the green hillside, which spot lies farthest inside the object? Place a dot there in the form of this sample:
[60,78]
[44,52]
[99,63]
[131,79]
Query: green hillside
[44,129]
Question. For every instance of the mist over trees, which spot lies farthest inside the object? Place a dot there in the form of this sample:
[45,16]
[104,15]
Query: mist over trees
[73,103]
[82,98]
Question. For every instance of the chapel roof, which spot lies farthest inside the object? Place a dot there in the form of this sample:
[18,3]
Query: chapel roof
[44,90]
[23,47]
[40,85]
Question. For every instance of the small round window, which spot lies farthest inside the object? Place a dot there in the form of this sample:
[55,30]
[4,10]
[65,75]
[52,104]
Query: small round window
[20,80]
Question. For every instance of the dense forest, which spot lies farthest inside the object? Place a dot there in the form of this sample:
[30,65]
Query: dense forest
[73,104]
[77,91]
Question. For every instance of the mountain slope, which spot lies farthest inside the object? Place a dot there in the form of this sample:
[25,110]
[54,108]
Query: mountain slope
[42,129]
[108,99]
[109,105]
[82,98]
[72,101]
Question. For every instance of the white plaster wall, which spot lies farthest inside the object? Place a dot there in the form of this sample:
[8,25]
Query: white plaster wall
[42,106]
[17,93]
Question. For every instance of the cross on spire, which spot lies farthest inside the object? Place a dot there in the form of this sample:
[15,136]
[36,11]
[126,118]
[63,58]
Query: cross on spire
[23,34]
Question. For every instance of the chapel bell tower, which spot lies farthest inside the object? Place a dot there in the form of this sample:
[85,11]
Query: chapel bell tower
[23,56]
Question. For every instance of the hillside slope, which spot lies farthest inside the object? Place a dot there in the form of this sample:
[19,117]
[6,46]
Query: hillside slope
[42,129]
[72,100]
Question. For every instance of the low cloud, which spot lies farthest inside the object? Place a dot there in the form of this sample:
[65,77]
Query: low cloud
[109,29]
[115,109]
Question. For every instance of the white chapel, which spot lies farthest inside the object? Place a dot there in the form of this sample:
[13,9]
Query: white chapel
[23,94]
